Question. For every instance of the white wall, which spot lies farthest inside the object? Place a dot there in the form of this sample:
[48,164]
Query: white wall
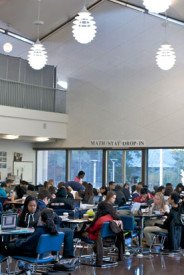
[155,117]
[17,146]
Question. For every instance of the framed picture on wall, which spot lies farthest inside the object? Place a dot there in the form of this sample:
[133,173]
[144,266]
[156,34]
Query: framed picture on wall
[23,170]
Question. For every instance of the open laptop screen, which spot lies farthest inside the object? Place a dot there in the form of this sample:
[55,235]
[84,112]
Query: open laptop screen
[8,221]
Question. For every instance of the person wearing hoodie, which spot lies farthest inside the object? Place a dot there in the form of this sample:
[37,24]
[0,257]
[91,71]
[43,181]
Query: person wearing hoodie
[61,201]
[30,213]
[26,246]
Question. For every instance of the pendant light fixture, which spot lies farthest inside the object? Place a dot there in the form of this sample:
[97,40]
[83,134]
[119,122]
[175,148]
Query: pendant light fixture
[37,55]
[84,27]
[165,57]
[157,6]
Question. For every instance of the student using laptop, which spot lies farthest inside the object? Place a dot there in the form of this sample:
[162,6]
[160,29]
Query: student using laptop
[30,213]
[27,246]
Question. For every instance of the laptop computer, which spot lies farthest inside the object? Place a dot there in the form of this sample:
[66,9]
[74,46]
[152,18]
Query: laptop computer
[8,221]
[97,199]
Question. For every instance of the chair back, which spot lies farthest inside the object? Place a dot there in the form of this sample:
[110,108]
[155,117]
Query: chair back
[2,199]
[128,222]
[106,231]
[125,207]
[48,243]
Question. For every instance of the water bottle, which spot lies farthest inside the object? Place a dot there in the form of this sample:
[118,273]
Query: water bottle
[11,193]
[76,216]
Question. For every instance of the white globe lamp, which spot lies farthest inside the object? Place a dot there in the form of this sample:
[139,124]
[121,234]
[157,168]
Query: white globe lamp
[84,27]
[165,57]
[157,6]
[37,56]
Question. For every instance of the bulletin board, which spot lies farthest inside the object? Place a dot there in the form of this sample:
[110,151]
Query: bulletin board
[23,170]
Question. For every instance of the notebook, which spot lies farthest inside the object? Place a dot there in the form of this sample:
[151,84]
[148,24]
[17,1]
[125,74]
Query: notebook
[8,221]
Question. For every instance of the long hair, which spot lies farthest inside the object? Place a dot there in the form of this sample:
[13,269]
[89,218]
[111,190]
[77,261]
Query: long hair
[110,194]
[47,217]
[27,201]
[162,200]
[105,208]
[88,193]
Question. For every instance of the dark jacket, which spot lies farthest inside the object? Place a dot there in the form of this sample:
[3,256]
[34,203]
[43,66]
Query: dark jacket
[28,220]
[120,198]
[41,205]
[126,193]
[20,191]
[172,214]
[61,202]
[28,245]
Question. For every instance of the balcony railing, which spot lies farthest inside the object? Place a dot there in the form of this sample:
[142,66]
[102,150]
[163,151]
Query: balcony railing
[21,95]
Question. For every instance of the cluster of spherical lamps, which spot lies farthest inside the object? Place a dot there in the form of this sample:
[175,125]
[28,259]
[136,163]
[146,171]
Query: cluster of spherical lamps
[84,31]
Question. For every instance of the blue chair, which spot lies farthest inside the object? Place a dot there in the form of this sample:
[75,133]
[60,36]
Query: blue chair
[105,232]
[129,226]
[125,207]
[47,243]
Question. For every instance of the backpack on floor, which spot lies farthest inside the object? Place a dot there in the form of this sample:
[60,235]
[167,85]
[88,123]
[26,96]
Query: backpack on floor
[66,264]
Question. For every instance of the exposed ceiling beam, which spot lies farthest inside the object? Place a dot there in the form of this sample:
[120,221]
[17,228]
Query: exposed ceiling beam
[143,10]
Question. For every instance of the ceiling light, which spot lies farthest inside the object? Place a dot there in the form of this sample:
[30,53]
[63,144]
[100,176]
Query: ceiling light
[42,139]
[157,6]
[165,57]
[7,47]
[11,137]
[63,84]
[84,27]
[37,56]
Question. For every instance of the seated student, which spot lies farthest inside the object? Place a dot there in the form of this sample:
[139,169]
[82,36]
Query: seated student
[158,205]
[103,192]
[105,213]
[27,246]
[126,191]
[44,197]
[137,191]
[30,213]
[120,197]
[8,187]
[53,191]
[2,190]
[179,188]
[144,197]
[161,189]
[61,201]
[20,190]
[173,201]
[88,195]
[43,201]
[111,186]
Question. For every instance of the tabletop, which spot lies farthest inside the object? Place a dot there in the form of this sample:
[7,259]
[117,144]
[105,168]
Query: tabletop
[17,231]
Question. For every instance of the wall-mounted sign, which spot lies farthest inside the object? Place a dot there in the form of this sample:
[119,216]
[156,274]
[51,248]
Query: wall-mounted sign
[117,143]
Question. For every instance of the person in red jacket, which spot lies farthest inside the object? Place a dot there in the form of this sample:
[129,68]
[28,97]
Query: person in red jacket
[145,196]
[105,213]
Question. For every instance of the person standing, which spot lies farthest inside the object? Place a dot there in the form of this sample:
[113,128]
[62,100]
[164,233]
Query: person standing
[80,176]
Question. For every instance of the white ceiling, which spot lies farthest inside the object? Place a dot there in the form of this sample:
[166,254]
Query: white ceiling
[123,50]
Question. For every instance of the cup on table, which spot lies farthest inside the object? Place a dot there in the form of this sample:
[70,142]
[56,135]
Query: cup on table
[85,216]
[65,214]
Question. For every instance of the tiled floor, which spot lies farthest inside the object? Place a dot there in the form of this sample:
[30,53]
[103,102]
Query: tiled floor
[137,266]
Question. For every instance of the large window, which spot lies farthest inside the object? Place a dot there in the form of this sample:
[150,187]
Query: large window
[51,165]
[89,161]
[164,166]
[133,170]
[115,166]
[124,166]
